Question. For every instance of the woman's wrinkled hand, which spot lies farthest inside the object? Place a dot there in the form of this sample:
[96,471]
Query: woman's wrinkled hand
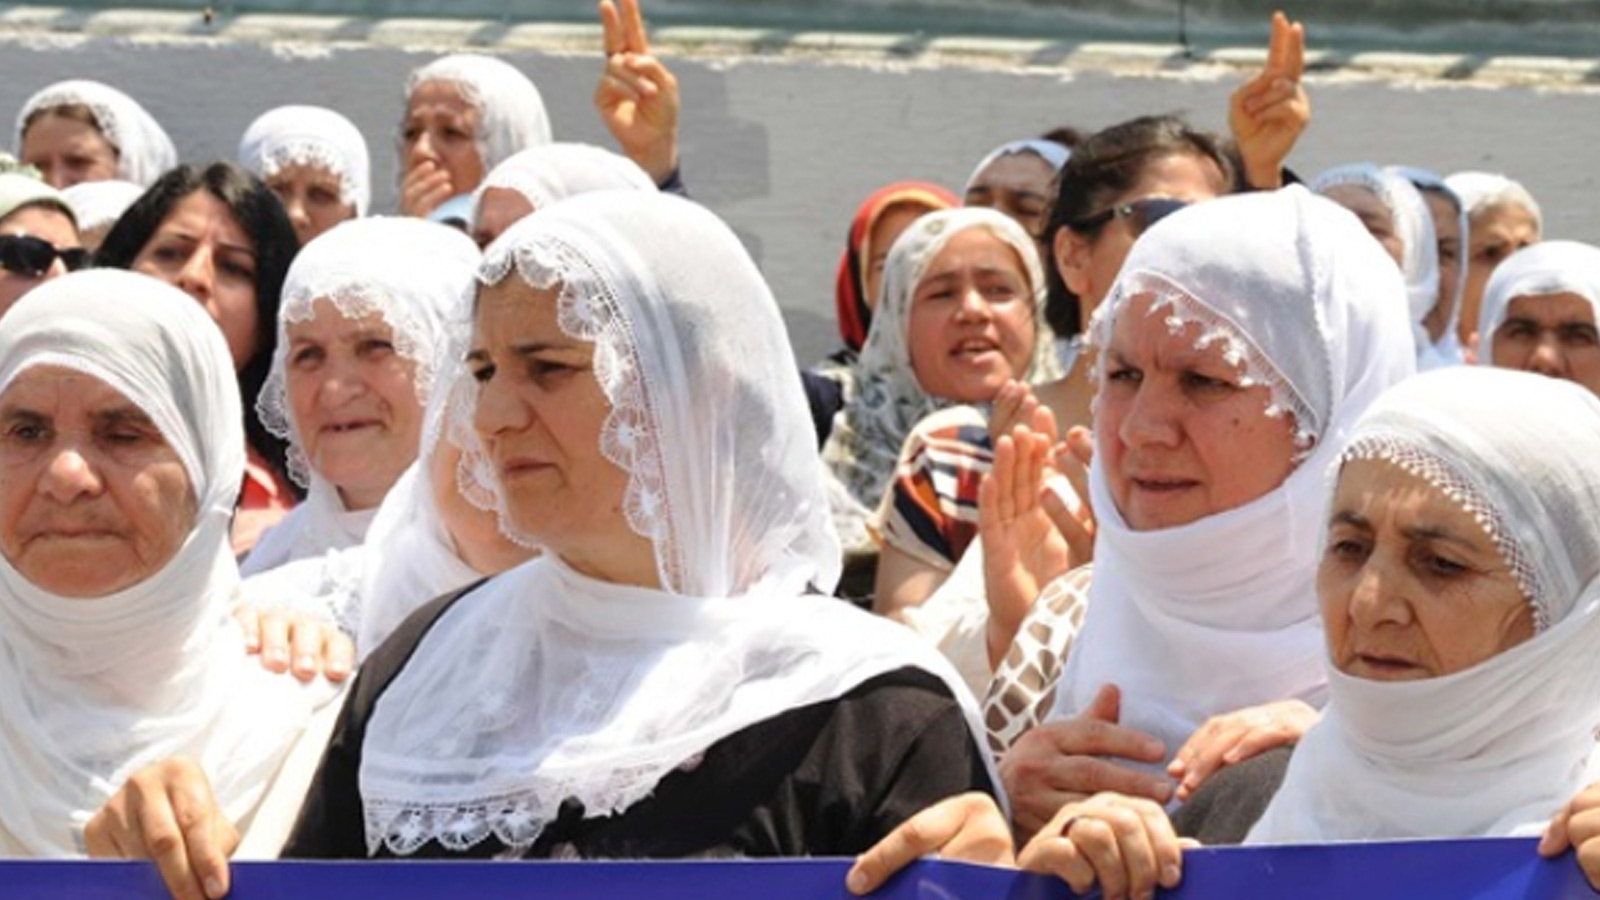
[1070,760]
[1577,826]
[294,641]
[968,827]
[1125,845]
[166,813]
[1237,736]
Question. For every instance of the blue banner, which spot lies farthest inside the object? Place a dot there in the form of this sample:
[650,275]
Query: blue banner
[1459,870]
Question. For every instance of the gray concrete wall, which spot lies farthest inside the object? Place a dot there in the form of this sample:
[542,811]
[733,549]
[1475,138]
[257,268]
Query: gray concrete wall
[784,149]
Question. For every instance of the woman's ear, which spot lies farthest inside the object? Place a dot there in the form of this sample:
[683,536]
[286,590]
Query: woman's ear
[1071,253]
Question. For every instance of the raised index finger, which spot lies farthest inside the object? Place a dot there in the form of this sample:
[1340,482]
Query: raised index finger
[633,28]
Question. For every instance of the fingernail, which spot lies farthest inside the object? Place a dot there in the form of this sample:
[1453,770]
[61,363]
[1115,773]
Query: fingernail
[856,881]
[1170,875]
[306,662]
[277,655]
[214,887]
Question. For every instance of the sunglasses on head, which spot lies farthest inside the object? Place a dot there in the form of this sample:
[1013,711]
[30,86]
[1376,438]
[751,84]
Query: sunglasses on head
[1140,214]
[27,255]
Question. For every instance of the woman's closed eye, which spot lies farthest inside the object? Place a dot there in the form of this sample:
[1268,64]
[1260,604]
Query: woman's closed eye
[373,348]
[1201,382]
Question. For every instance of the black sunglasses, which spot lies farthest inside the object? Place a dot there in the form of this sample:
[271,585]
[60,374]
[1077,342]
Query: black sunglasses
[1141,214]
[27,255]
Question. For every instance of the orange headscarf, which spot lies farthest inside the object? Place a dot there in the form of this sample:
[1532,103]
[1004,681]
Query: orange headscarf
[850,290]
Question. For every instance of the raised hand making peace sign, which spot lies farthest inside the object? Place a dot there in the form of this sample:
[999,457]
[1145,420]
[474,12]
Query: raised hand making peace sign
[637,97]
[1268,113]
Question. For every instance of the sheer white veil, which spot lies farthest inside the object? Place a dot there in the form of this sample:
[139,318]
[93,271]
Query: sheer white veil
[512,110]
[408,271]
[545,685]
[144,152]
[310,136]
[93,689]
[1220,614]
[1495,749]
[1538,270]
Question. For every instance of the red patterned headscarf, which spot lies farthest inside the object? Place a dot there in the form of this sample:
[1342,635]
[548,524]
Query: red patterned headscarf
[855,314]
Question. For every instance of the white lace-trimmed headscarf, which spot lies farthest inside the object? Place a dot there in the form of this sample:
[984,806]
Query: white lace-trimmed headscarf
[1221,614]
[1538,270]
[99,204]
[1412,223]
[144,152]
[1447,350]
[310,136]
[411,273]
[1484,190]
[1497,748]
[92,690]
[889,401]
[549,174]
[511,112]
[1055,155]
[544,685]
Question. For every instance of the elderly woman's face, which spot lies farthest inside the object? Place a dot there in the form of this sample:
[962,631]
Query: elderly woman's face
[498,209]
[1377,218]
[92,498]
[1180,436]
[1411,585]
[972,327]
[67,151]
[201,249]
[440,128]
[353,400]
[539,416]
[1493,234]
[313,198]
[1553,335]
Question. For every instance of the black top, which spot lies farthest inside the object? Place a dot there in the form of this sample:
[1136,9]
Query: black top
[1233,799]
[829,779]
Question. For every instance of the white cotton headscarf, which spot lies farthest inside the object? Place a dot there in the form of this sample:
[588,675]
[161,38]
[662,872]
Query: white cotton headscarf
[1221,614]
[544,685]
[410,272]
[511,111]
[144,152]
[1484,190]
[1055,155]
[1447,350]
[549,174]
[99,204]
[310,136]
[92,690]
[1538,270]
[1412,223]
[1496,749]
[888,402]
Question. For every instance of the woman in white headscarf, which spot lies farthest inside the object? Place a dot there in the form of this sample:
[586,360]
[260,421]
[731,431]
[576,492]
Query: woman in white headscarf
[535,178]
[1541,313]
[315,160]
[1460,590]
[75,131]
[98,205]
[1229,375]
[363,312]
[1502,218]
[1450,227]
[953,326]
[118,649]
[464,115]
[662,681]
[1394,213]
[1018,178]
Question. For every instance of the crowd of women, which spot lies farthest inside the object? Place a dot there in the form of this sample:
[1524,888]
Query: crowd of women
[1121,519]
